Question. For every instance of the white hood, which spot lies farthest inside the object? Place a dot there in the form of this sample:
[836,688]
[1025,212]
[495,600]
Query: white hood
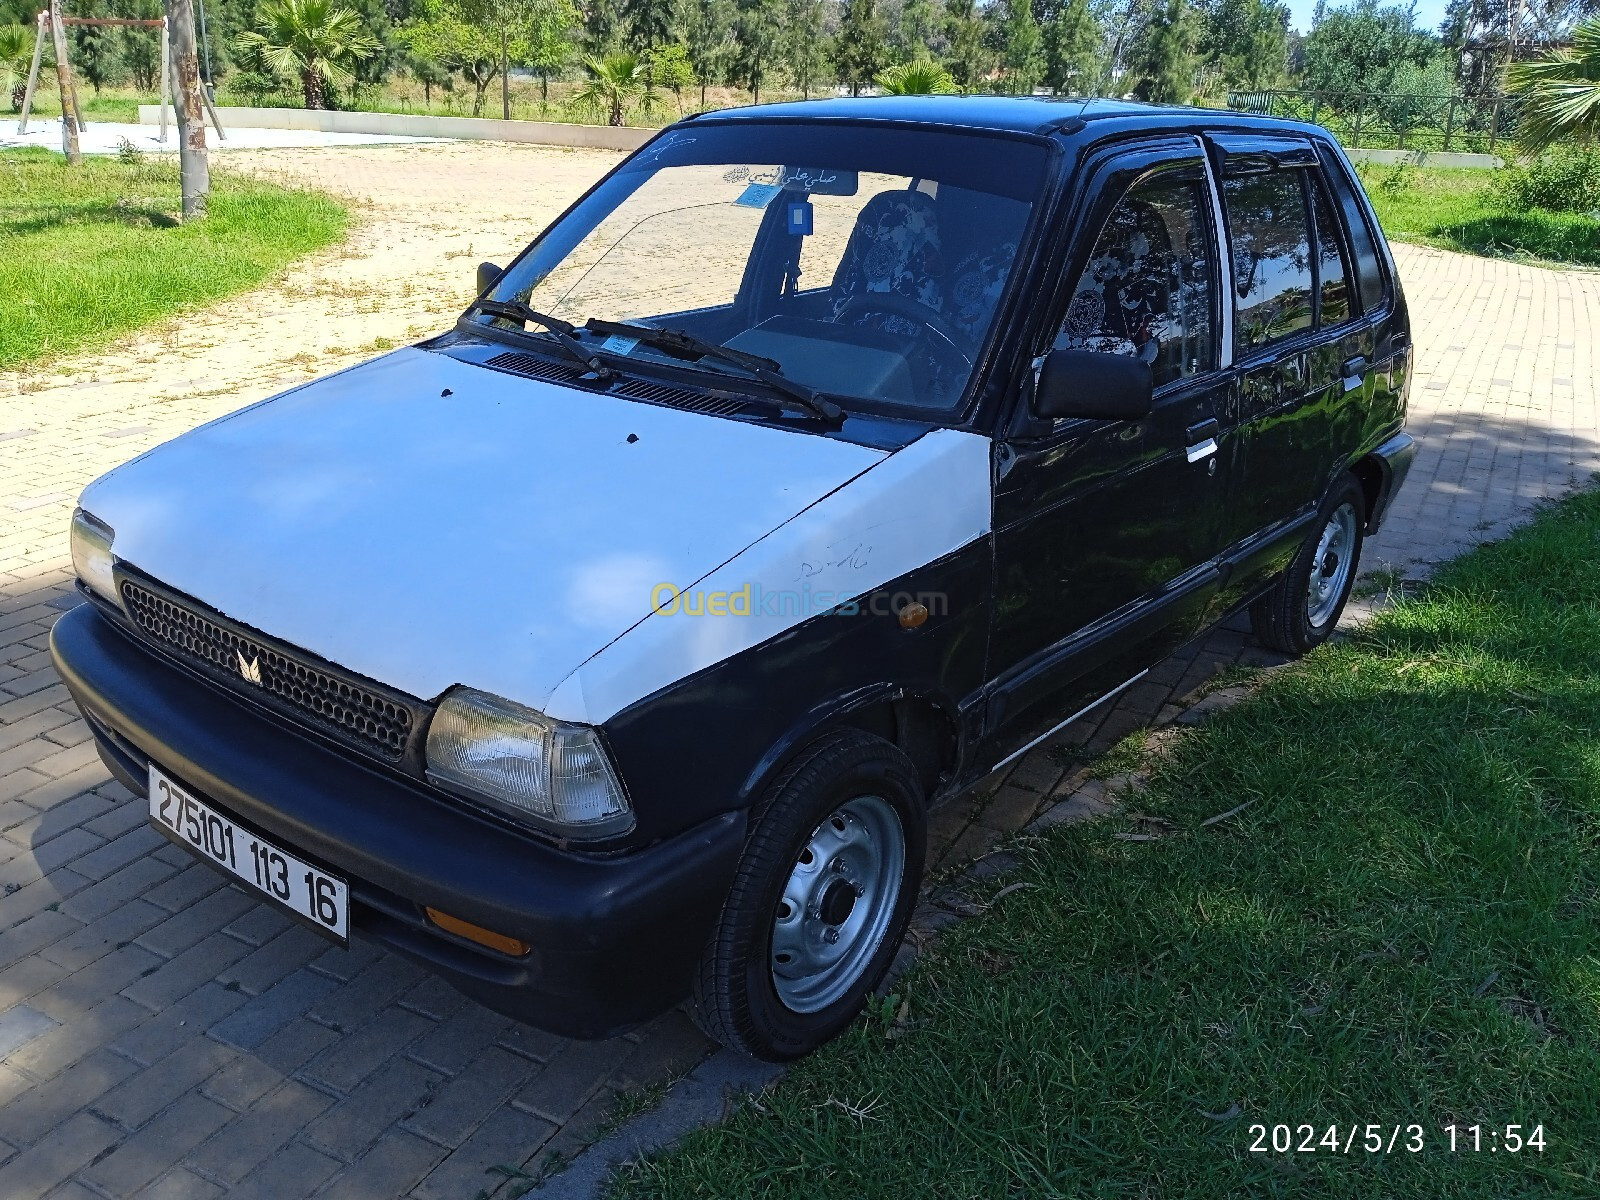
[499,536]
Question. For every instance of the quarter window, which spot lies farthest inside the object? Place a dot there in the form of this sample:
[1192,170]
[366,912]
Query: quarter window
[1333,288]
[1271,257]
[1148,286]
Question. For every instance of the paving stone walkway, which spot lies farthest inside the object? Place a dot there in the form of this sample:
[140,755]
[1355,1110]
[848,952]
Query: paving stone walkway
[163,1036]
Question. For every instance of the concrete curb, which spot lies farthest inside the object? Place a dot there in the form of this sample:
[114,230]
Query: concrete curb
[540,133]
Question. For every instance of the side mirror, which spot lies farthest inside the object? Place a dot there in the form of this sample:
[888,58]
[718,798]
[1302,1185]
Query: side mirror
[1099,387]
[487,274]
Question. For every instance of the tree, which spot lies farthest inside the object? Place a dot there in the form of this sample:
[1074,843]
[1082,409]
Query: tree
[443,34]
[708,30]
[1248,42]
[96,49]
[805,43]
[758,41]
[1560,92]
[314,40]
[1361,48]
[1073,48]
[921,78]
[16,54]
[549,40]
[649,23]
[1161,62]
[918,31]
[858,51]
[1022,47]
[670,68]
[969,56]
[614,84]
[602,27]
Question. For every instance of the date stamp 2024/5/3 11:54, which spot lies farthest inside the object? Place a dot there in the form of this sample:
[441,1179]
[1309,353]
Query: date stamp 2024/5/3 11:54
[1395,1138]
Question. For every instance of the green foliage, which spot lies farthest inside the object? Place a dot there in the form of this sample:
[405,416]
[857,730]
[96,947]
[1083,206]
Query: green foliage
[1074,48]
[456,36]
[648,23]
[805,43]
[969,53]
[918,31]
[921,78]
[1022,46]
[16,51]
[1365,48]
[860,50]
[1565,178]
[1468,211]
[1248,41]
[1397,916]
[317,41]
[1560,92]
[758,42]
[96,250]
[1162,62]
[614,86]
[548,39]
[708,37]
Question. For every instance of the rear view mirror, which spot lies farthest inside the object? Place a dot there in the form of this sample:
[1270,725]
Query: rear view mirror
[487,274]
[1098,387]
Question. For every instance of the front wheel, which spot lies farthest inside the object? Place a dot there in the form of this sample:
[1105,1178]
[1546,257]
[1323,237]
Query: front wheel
[1303,607]
[821,899]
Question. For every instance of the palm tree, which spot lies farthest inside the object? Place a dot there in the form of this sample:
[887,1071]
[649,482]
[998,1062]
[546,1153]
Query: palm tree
[311,39]
[16,54]
[921,78]
[1560,91]
[614,83]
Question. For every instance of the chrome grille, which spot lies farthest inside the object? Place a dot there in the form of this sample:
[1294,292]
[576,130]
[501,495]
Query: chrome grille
[364,714]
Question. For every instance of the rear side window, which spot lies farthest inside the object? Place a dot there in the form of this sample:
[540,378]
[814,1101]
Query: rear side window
[1333,273]
[1147,289]
[1369,270]
[1272,278]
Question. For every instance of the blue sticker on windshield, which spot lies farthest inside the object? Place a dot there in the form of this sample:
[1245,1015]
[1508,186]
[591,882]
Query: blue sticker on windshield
[618,344]
[758,195]
[800,218]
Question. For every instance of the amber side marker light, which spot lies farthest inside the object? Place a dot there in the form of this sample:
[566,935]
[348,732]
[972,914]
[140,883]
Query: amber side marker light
[477,933]
[913,616]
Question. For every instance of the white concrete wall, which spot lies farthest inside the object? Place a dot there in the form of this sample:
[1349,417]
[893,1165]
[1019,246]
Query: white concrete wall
[544,133]
[1425,158]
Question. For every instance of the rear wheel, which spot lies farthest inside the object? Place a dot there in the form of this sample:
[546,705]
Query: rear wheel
[820,901]
[1303,607]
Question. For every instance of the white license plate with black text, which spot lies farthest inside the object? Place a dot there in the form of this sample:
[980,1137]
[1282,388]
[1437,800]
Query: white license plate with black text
[307,891]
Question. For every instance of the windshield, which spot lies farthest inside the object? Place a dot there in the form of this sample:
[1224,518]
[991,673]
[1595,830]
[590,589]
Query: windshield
[867,263]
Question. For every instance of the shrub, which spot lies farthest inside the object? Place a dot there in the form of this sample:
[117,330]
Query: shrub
[1562,179]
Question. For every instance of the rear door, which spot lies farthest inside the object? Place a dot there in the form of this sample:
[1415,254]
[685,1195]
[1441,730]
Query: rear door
[1107,532]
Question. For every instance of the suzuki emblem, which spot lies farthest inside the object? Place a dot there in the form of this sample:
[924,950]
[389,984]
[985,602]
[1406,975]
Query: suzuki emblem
[251,669]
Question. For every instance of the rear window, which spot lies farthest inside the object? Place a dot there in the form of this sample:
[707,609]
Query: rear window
[1271,240]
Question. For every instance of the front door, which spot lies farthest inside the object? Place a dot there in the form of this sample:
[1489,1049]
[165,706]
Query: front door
[1107,531]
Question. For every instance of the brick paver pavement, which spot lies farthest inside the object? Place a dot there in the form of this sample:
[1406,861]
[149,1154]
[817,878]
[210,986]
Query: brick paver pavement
[162,1035]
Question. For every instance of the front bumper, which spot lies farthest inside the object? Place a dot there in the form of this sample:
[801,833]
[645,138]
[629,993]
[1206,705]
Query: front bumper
[615,939]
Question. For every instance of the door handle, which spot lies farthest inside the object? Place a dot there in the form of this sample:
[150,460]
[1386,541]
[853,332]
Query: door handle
[1202,439]
[1352,369]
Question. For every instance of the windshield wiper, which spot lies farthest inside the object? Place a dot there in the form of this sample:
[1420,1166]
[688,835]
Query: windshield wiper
[676,341]
[560,331]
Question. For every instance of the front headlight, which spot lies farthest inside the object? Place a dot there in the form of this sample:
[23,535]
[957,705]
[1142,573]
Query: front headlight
[91,555]
[545,772]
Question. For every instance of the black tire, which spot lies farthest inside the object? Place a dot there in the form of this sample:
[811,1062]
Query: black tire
[736,997]
[1289,618]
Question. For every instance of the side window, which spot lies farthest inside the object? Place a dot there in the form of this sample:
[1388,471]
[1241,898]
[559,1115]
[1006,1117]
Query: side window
[1271,256]
[1147,288]
[1333,288]
[1369,271]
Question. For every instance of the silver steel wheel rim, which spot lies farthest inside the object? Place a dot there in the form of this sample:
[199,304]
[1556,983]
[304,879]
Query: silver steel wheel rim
[837,903]
[1331,567]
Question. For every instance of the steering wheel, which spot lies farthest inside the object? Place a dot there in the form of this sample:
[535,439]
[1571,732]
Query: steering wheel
[889,302]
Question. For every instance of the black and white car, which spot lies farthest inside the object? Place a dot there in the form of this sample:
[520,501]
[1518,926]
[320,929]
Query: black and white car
[609,649]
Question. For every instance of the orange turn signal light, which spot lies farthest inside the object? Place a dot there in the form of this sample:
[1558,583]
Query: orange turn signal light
[477,933]
[913,616]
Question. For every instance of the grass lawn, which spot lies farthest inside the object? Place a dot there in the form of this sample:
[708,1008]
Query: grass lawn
[92,252]
[1400,929]
[1457,210]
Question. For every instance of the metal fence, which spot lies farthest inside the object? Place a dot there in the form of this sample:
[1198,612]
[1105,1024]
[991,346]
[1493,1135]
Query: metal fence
[1380,121]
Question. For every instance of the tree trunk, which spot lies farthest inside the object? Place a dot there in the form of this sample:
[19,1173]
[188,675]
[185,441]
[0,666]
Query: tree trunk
[702,92]
[193,169]
[69,117]
[505,78]
[616,111]
[311,85]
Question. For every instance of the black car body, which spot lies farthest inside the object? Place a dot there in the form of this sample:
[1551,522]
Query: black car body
[1181,392]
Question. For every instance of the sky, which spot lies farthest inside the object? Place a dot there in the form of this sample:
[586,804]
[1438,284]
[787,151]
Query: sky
[1429,13]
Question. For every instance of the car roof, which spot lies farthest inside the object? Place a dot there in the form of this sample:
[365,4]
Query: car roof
[1011,114]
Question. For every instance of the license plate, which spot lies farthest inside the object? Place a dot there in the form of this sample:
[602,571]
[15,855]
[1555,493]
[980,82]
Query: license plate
[321,899]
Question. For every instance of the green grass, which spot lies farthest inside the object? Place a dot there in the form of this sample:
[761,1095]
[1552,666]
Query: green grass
[1399,929]
[92,252]
[1457,210]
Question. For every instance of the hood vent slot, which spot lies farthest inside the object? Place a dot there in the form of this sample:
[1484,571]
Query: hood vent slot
[648,390]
